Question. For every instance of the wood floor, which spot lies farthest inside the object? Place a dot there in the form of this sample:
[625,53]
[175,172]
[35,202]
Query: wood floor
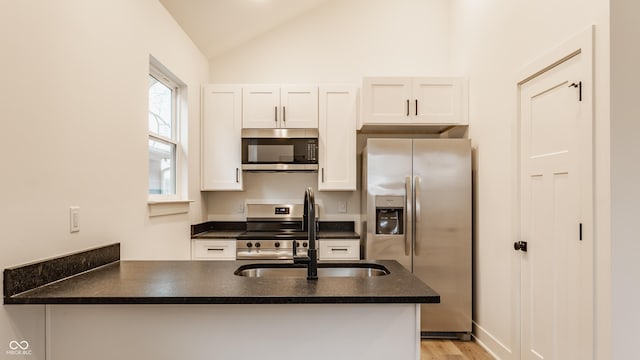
[452,350]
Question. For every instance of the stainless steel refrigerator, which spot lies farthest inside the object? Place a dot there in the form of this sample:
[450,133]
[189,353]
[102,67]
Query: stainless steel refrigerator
[417,198]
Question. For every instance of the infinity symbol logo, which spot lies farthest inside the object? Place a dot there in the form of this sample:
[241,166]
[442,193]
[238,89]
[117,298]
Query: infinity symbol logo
[15,345]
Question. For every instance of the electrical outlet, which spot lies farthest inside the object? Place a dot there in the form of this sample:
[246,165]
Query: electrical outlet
[74,219]
[240,208]
[342,206]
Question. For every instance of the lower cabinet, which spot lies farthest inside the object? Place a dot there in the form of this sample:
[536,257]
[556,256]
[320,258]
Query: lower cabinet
[339,249]
[213,249]
[225,249]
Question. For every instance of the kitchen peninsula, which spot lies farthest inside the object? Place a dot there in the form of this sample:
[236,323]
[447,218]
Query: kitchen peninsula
[202,310]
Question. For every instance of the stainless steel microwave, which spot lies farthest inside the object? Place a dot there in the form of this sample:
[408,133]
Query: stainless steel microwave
[280,149]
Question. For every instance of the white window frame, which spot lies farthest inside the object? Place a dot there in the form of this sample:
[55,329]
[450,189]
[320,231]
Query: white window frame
[163,75]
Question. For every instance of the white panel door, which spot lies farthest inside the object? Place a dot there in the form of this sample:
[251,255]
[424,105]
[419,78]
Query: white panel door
[221,137]
[556,200]
[386,100]
[260,106]
[337,137]
[299,107]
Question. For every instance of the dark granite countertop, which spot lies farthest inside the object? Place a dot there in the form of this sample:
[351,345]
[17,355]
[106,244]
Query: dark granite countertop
[226,234]
[214,282]
[338,235]
[217,234]
[231,230]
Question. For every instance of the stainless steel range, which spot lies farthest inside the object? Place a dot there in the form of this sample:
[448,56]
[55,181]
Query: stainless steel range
[271,232]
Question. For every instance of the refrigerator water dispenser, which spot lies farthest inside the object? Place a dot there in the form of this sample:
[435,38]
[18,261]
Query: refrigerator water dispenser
[389,215]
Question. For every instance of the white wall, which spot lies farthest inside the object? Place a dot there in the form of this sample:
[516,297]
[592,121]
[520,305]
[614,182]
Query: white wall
[625,177]
[74,132]
[338,42]
[286,188]
[492,41]
[343,40]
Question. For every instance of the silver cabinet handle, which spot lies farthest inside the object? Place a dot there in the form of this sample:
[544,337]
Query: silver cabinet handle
[237,177]
[408,232]
[416,107]
[284,114]
[275,117]
[322,174]
[416,195]
[339,249]
[215,249]
[407,107]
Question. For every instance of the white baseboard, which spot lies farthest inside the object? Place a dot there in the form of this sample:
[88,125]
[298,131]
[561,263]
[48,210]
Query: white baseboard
[492,345]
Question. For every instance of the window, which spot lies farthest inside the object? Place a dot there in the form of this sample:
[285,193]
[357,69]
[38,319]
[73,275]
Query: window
[164,134]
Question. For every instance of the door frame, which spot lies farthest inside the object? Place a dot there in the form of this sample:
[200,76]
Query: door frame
[581,43]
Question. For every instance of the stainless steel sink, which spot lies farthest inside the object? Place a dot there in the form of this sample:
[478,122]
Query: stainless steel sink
[361,270]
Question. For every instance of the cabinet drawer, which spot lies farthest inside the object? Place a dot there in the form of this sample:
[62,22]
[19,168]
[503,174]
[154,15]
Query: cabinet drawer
[214,249]
[348,249]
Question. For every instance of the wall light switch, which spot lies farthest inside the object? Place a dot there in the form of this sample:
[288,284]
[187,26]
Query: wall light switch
[74,219]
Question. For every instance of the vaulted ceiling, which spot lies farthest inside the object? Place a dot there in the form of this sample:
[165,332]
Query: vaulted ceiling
[217,26]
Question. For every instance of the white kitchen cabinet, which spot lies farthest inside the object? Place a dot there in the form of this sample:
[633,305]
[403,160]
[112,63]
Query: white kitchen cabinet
[274,106]
[213,249]
[339,249]
[414,101]
[338,114]
[221,138]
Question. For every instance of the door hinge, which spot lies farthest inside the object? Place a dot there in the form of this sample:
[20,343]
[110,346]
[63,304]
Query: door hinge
[579,86]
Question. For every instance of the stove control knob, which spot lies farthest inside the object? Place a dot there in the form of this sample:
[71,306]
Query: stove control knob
[304,244]
[277,244]
[249,244]
[297,244]
[257,244]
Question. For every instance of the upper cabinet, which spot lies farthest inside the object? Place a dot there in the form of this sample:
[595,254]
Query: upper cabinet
[338,110]
[272,106]
[221,137]
[414,101]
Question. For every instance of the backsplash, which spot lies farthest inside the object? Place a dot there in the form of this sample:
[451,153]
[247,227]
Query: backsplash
[285,188]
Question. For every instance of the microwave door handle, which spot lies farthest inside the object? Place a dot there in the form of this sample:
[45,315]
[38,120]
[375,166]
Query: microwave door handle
[408,231]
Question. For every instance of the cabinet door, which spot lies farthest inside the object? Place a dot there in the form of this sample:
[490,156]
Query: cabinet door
[260,106]
[333,249]
[299,107]
[386,100]
[221,137]
[337,138]
[215,249]
[439,100]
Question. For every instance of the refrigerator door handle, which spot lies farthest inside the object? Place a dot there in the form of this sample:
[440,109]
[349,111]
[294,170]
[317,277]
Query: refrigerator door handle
[408,230]
[416,200]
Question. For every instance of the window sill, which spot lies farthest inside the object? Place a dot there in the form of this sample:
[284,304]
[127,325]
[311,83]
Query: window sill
[168,207]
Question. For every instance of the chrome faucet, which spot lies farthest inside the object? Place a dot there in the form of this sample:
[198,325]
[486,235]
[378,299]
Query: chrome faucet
[309,224]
